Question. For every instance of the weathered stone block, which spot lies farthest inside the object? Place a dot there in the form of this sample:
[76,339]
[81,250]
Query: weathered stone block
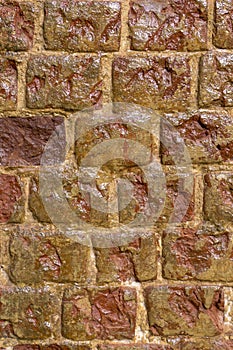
[39,254]
[66,82]
[162,83]
[8,84]
[216,80]
[82,26]
[168,25]
[195,311]
[200,253]
[23,139]
[99,314]
[134,262]
[17,25]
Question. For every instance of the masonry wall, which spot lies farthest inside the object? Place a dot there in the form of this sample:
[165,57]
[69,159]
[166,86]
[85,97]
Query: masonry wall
[172,287]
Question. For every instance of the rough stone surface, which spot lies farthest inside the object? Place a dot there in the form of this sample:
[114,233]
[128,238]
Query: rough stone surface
[216,80]
[135,262]
[179,204]
[218,198]
[202,253]
[23,139]
[168,25]
[157,82]
[35,201]
[8,84]
[39,254]
[223,24]
[26,314]
[82,26]
[99,314]
[16,25]
[208,136]
[66,82]
[11,199]
[195,311]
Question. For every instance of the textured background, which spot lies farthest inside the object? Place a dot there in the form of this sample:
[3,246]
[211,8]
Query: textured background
[166,290]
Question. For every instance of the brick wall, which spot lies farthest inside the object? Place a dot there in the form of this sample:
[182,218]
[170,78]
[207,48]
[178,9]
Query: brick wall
[172,287]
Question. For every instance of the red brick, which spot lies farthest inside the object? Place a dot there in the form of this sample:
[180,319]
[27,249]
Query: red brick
[99,314]
[216,80]
[8,84]
[195,311]
[82,26]
[32,135]
[26,313]
[223,30]
[41,254]
[156,82]
[208,136]
[66,82]
[200,253]
[218,198]
[17,25]
[168,25]
[11,199]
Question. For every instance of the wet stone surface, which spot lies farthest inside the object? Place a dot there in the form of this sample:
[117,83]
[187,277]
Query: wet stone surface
[99,314]
[202,253]
[26,314]
[216,80]
[196,311]
[39,254]
[66,82]
[82,26]
[8,84]
[223,24]
[11,199]
[158,82]
[218,198]
[23,139]
[168,25]
[208,136]
[16,25]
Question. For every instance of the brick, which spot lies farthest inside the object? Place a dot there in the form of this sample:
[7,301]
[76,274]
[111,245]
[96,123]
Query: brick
[66,82]
[39,254]
[8,84]
[218,200]
[99,314]
[200,253]
[26,313]
[11,199]
[135,347]
[135,262]
[195,311]
[223,30]
[17,25]
[215,80]
[82,26]
[157,82]
[208,136]
[31,134]
[168,25]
